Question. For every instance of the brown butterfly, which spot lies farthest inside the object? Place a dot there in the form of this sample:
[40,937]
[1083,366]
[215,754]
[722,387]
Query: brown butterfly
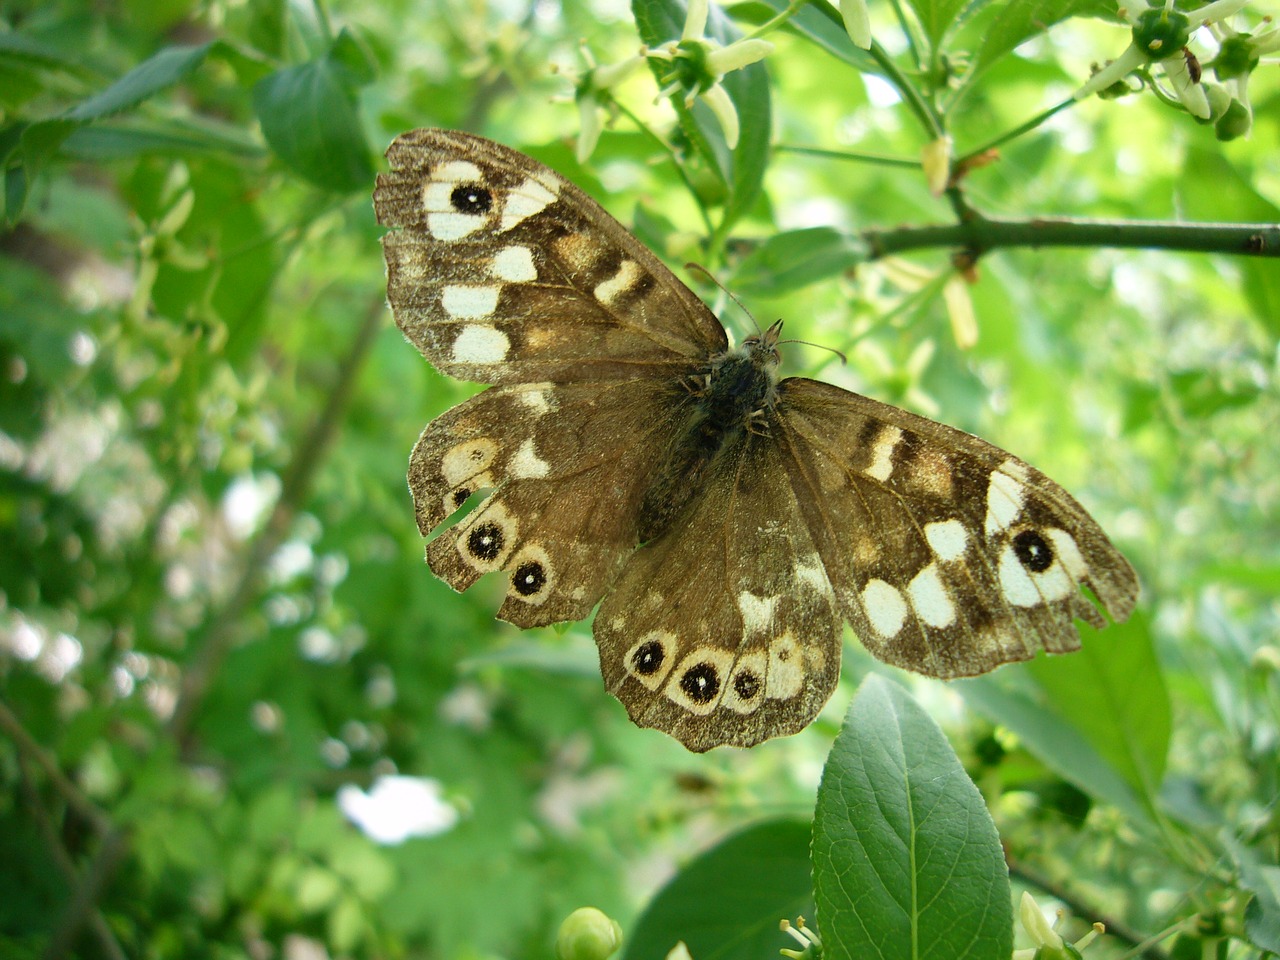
[730,520]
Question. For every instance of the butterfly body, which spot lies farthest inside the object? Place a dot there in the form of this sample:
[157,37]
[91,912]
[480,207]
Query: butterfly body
[727,523]
[733,395]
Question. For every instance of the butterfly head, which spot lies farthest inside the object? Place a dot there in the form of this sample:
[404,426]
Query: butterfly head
[762,348]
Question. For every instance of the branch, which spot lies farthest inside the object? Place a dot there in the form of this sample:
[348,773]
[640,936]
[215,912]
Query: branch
[221,634]
[32,751]
[979,234]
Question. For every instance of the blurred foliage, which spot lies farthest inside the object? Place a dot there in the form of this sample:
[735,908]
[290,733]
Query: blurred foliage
[214,616]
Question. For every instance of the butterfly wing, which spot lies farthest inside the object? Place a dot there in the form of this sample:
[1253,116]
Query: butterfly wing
[501,271]
[724,629]
[948,556]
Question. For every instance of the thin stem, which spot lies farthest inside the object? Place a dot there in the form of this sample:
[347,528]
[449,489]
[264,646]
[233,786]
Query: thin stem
[1016,131]
[777,20]
[110,947]
[919,106]
[29,748]
[979,234]
[854,155]
[679,167]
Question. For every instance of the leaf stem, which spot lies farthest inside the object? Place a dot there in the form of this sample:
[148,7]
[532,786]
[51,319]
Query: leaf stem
[853,155]
[777,19]
[1017,131]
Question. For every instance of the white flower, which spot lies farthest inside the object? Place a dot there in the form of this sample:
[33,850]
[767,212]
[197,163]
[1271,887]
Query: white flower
[699,63]
[1159,35]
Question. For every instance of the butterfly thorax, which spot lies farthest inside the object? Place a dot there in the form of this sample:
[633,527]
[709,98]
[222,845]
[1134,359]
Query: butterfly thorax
[727,401]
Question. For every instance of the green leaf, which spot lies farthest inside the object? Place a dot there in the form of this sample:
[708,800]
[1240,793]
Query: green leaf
[1262,915]
[1055,742]
[726,904]
[937,15]
[906,860]
[309,117]
[796,258]
[1113,692]
[1019,20]
[1212,188]
[818,22]
[145,80]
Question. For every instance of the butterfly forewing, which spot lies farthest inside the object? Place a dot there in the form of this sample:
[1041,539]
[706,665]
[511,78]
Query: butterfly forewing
[949,556]
[501,271]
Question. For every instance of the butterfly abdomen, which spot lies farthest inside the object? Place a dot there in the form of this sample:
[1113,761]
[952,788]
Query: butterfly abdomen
[738,386]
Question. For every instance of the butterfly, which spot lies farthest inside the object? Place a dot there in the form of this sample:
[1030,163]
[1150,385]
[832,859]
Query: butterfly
[727,522]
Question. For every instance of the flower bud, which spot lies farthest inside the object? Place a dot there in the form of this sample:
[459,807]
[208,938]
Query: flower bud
[1160,33]
[587,934]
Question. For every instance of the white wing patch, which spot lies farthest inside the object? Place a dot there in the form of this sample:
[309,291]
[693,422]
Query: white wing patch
[469,301]
[948,539]
[1004,500]
[930,598]
[478,343]
[886,609]
[524,201]
[526,462]
[882,455]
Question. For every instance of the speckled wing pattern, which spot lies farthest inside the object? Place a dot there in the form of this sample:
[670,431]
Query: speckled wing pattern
[947,555]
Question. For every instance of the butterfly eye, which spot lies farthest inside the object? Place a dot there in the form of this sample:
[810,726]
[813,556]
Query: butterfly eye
[471,199]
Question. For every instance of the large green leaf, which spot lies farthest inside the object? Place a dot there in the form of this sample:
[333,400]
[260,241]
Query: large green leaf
[310,118]
[1112,692]
[726,904]
[906,860]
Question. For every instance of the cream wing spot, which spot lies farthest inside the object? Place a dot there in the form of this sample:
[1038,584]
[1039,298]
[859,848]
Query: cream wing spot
[536,397]
[526,463]
[786,668]
[479,343]
[1004,501]
[651,659]
[1069,553]
[810,573]
[881,467]
[467,459]
[757,612]
[514,264]
[948,539]
[469,301]
[699,681]
[1015,583]
[930,599]
[609,290]
[524,201]
[886,609]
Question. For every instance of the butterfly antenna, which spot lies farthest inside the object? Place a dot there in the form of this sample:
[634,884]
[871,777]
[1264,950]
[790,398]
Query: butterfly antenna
[821,346]
[729,293]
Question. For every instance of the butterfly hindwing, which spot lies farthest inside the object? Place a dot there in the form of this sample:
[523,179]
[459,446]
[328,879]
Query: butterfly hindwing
[724,629]
[562,515]
[501,271]
[949,556]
